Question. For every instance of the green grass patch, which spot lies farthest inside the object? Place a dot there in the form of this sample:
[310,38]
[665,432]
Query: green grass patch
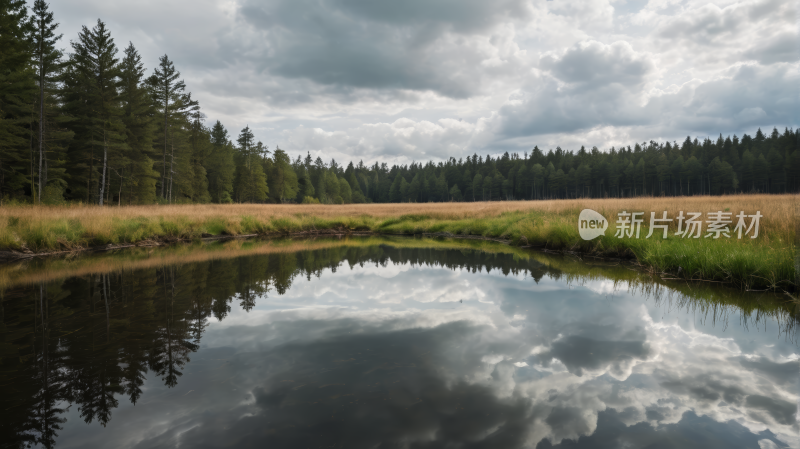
[764,263]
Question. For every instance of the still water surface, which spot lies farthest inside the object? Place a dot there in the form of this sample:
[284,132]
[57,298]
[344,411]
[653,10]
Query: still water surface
[387,343]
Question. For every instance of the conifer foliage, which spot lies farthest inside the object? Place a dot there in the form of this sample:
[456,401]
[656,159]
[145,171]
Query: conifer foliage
[94,125]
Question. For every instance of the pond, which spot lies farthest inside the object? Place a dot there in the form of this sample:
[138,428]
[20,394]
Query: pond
[402,343]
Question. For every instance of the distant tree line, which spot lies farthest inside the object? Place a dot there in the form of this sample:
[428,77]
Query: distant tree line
[767,164]
[92,126]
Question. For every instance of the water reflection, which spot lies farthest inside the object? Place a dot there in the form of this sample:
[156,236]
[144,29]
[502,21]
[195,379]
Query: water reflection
[392,344]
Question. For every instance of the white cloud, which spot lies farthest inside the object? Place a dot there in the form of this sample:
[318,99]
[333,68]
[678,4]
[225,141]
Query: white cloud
[396,82]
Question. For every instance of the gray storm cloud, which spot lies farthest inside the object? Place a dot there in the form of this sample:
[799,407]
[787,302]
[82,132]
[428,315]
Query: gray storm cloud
[417,80]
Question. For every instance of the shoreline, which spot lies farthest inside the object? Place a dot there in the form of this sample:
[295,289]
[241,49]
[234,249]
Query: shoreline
[16,256]
[765,263]
[9,257]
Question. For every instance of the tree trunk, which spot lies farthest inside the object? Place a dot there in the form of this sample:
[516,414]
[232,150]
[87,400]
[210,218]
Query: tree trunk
[91,174]
[164,158]
[171,160]
[33,157]
[103,178]
[42,176]
[119,199]
[108,187]
[130,191]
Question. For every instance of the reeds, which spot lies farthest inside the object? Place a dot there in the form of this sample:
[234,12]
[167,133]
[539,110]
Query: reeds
[764,262]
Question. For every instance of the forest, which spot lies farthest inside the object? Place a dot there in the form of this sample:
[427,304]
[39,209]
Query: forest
[92,125]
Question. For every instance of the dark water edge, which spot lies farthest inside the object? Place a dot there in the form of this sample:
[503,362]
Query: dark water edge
[358,342]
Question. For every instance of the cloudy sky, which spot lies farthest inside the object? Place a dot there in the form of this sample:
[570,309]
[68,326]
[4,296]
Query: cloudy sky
[382,80]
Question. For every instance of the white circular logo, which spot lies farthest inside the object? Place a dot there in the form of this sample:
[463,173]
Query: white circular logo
[591,224]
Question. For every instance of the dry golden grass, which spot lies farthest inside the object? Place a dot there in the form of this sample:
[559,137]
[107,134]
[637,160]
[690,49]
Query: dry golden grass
[764,262]
[780,211]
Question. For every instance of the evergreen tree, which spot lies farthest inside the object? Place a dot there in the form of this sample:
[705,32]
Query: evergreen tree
[17,90]
[793,171]
[761,174]
[138,178]
[497,186]
[355,188]
[220,168]
[93,93]
[168,93]
[251,181]
[283,184]
[404,186]
[332,187]
[777,176]
[455,193]
[394,191]
[486,189]
[305,187]
[345,191]
[321,185]
[748,164]
[51,138]
[414,188]
[477,187]
[692,174]
[201,148]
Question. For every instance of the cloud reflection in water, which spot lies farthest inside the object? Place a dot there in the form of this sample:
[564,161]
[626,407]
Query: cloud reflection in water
[425,356]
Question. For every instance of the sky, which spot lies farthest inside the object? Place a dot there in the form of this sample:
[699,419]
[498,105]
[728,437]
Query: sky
[418,80]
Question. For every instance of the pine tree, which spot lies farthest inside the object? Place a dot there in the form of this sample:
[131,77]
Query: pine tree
[220,167]
[414,188]
[777,176]
[251,181]
[137,176]
[355,187]
[497,186]
[50,135]
[305,188]
[181,177]
[201,148]
[477,187]
[345,191]
[404,186]
[332,186]
[92,91]
[168,94]
[282,178]
[793,171]
[537,181]
[761,174]
[455,193]
[486,189]
[17,91]
[394,191]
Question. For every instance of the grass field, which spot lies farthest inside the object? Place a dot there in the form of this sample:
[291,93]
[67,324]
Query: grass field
[764,262]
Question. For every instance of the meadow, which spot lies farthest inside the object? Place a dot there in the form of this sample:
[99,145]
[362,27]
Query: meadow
[766,262]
